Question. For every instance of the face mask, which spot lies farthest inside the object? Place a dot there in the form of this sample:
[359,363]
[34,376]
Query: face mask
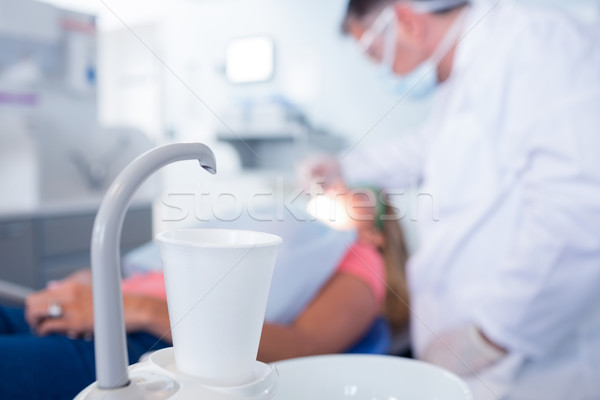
[423,81]
[418,84]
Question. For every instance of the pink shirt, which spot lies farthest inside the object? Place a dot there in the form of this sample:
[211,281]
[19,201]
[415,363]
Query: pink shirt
[366,263]
[362,261]
[148,284]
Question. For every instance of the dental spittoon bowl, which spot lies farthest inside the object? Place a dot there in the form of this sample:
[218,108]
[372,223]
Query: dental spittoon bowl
[366,377]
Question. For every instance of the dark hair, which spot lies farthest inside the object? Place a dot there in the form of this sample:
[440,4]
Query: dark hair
[358,9]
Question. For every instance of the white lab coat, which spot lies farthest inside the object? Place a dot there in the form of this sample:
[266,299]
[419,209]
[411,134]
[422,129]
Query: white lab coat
[512,161]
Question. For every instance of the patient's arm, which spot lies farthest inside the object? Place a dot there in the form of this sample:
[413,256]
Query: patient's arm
[147,314]
[336,319]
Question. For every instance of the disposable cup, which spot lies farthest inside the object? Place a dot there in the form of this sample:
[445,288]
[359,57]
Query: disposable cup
[217,283]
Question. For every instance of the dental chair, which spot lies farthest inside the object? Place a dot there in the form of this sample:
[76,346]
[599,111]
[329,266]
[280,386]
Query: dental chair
[376,341]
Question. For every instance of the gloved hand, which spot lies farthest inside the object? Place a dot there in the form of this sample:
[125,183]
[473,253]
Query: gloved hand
[463,350]
[321,171]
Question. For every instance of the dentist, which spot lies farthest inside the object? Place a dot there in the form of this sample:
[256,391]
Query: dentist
[505,285]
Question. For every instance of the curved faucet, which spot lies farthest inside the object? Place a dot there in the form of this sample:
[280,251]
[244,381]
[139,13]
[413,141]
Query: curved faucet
[109,324]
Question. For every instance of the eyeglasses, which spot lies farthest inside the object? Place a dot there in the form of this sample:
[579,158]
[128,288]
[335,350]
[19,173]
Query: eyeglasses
[368,42]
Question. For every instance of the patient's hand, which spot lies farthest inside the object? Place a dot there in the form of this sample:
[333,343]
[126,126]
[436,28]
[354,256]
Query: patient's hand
[75,300]
[321,171]
[141,313]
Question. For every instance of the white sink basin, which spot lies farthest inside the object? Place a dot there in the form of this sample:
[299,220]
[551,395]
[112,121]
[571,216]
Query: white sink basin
[366,377]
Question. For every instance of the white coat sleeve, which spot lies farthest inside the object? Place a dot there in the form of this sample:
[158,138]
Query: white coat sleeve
[551,277]
[390,165]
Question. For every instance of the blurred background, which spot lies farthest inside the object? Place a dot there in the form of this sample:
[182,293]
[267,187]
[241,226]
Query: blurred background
[87,85]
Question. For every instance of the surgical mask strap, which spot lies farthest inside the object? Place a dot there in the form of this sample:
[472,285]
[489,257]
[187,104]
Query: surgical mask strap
[379,26]
[388,57]
[449,40]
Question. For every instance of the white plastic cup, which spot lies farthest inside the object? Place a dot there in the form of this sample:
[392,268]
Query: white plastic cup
[217,284]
